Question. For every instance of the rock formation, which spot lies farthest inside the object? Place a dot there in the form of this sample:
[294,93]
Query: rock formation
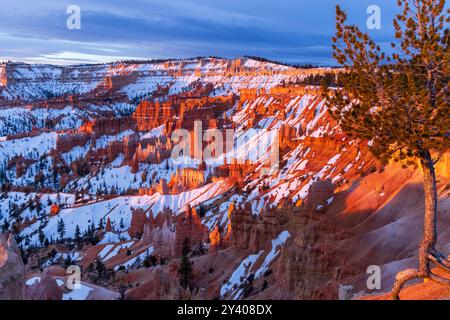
[67,142]
[12,270]
[45,289]
[254,232]
[159,236]
[108,227]
[106,126]
[318,194]
[54,210]
[138,221]
[104,131]
[215,238]
[189,226]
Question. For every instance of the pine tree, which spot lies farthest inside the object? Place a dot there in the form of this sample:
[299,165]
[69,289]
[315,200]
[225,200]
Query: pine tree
[185,269]
[77,234]
[38,204]
[68,261]
[100,268]
[400,102]
[61,229]
[41,236]
[5,226]
[122,291]
[100,224]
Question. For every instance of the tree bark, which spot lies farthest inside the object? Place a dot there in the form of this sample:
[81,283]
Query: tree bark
[429,228]
[427,253]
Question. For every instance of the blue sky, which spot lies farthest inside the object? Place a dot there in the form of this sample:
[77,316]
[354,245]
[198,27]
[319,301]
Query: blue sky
[293,31]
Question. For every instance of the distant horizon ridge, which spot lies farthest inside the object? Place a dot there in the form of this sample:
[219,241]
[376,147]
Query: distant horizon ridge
[161,60]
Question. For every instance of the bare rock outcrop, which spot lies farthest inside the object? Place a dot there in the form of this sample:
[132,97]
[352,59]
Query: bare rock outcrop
[189,226]
[107,126]
[12,270]
[46,289]
[67,142]
[254,232]
[318,194]
[215,238]
[138,221]
[159,236]
[306,269]
[160,284]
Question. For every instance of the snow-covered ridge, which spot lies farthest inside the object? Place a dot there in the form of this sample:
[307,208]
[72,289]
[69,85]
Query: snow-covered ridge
[37,96]
[31,82]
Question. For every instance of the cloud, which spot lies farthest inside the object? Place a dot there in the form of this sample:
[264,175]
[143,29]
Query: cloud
[296,31]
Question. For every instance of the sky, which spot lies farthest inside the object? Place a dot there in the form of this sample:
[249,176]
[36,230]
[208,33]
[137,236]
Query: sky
[291,31]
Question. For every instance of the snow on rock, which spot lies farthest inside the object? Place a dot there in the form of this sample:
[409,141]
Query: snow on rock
[116,250]
[277,243]
[154,133]
[334,159]
[20,199]
[74,256]
[30,147]
[239,276]
[330,200]
[80,293]
[233,288]
[105,251]
[119,210]
[33,280]
[111,237]
[135,260]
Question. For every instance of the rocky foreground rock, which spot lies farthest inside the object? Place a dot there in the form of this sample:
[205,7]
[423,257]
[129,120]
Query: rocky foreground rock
[12,270]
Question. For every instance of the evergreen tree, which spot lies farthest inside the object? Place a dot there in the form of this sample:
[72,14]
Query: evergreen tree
[149,260]
[61,229]
[248,286]
[100,268]
[185,268]
[100,224]
[77,234]
[38,204]
[400,102]
[68,261]
[122,291]
[41,236]
[5,226]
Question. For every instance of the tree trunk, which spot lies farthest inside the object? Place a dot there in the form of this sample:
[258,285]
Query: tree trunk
[429,229]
